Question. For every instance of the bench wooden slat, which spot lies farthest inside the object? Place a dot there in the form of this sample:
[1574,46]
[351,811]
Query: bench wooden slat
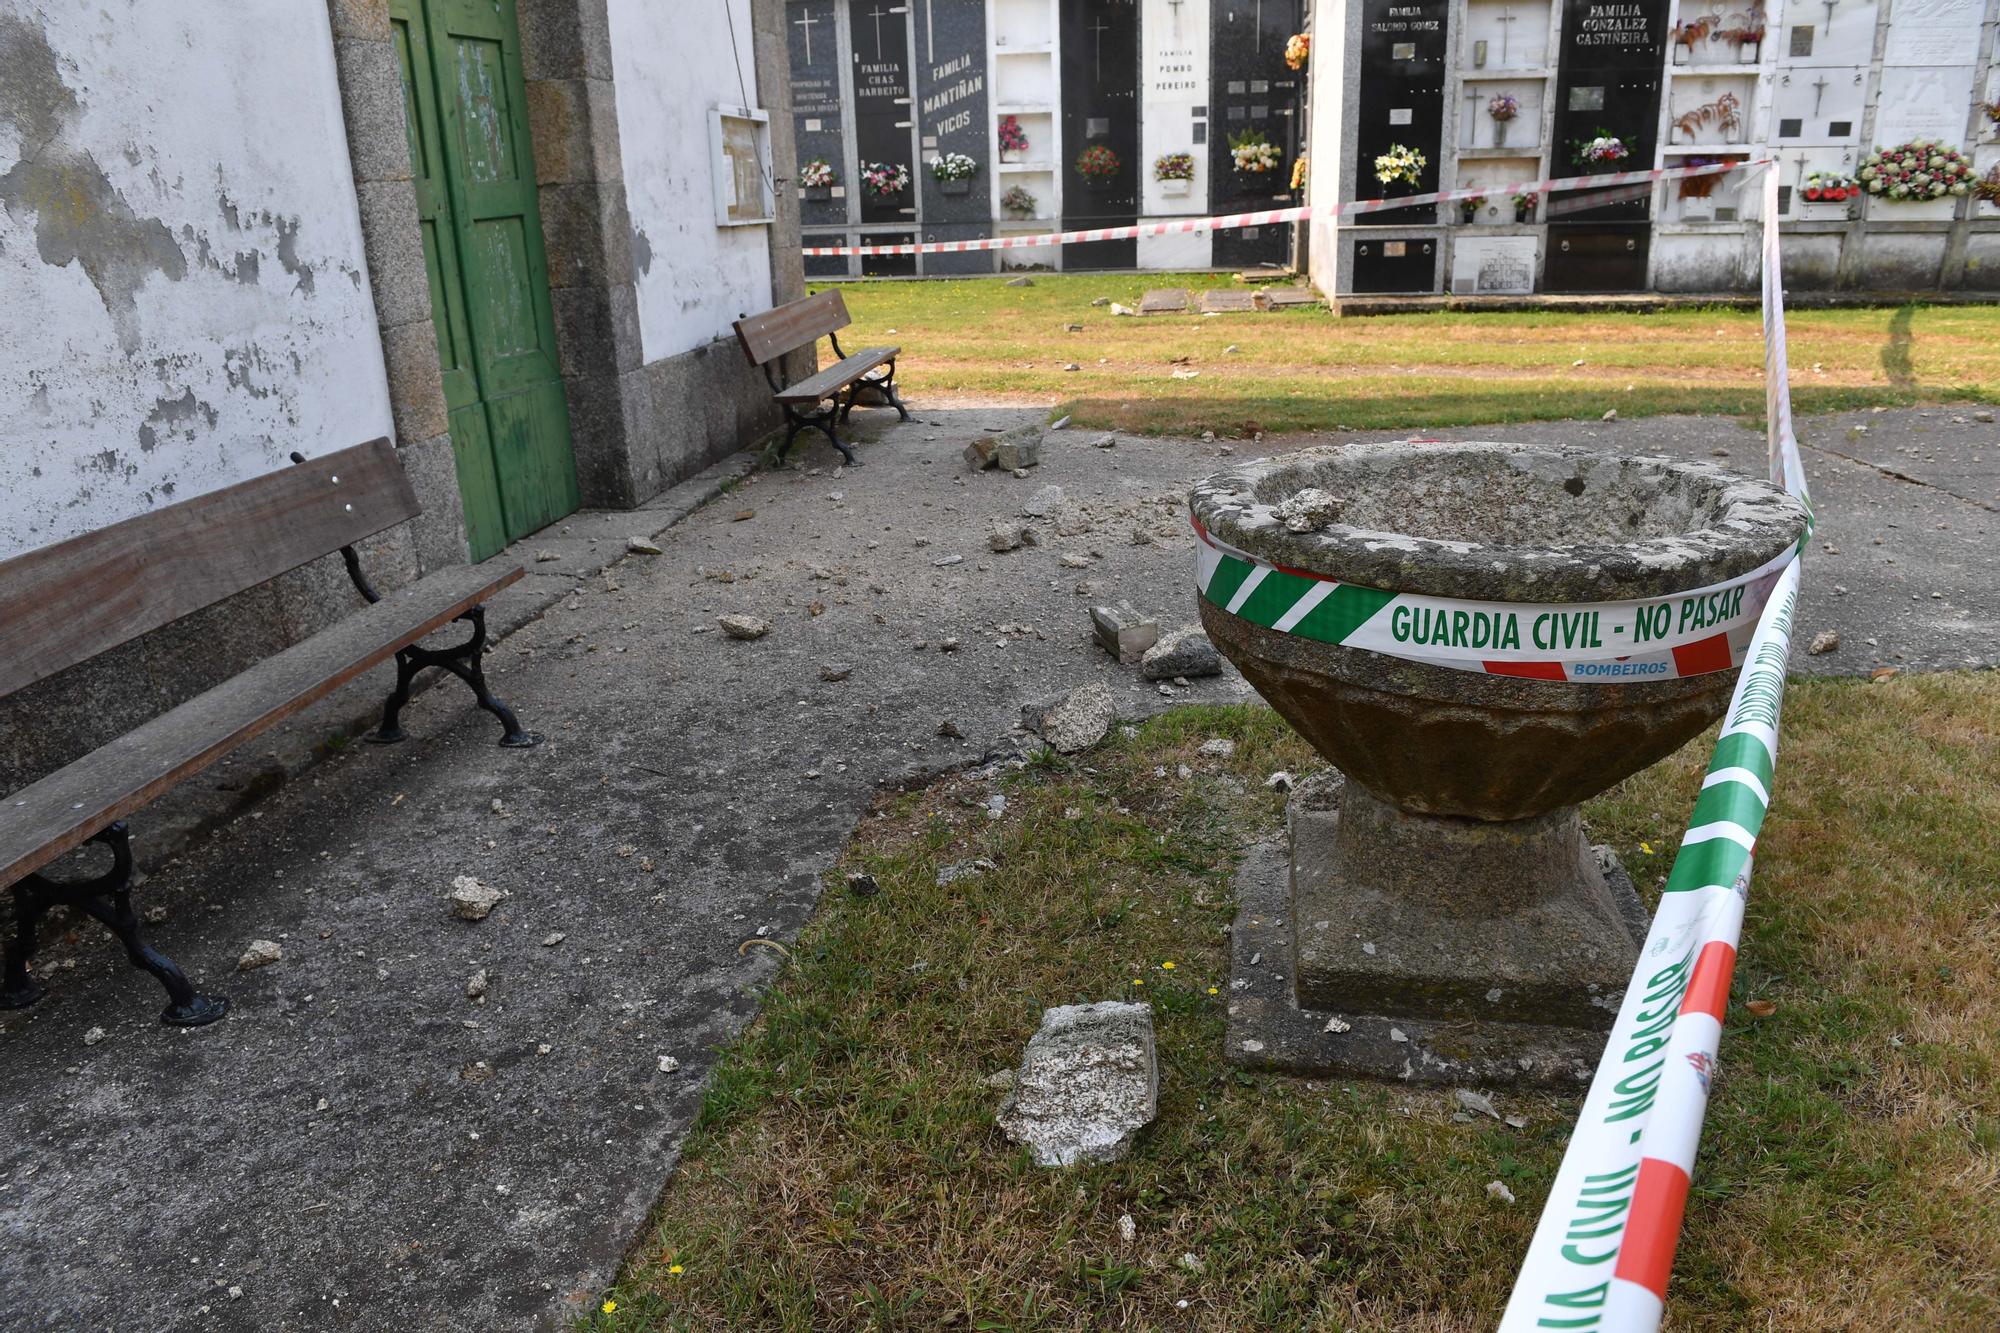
[791,326]
[66,603]
[837,376]
[62,811]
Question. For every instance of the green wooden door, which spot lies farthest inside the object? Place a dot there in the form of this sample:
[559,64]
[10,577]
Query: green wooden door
[475,180]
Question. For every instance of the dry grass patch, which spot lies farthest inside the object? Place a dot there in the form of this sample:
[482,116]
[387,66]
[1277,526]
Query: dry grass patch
[845,1172]
[1305,370]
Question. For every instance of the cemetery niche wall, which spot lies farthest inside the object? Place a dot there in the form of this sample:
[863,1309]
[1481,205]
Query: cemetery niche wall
[1530,90]
[1043,115]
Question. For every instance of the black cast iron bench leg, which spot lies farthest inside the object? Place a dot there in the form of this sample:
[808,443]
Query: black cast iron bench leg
[463,661]
[108,899]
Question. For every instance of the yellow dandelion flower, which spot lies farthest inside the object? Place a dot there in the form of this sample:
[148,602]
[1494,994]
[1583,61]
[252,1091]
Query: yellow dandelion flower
[610,1307]
[1138,981]
[1213,991]
[675,1269]
[1646,847]
[1167,966]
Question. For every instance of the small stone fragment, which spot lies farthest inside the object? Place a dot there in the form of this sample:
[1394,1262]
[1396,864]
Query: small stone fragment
[92,1037]
[1106,441]
[744,627]
[1476,1101]
[261,953]
[1043,502]
[862,885]
[1611,415]
[1497,1190]
[1071,365]
[1074,561]
[1088,1083]
[472,899]
[475,986]
[834,671]
[1118,309]
[1279,781]
[1021,282]
[1183,652]
[1101,301]
[553,938]
[958,870]
[543,557]
[1308,510]
[669,1065]
[1220,747]
[982,453]
[641,546]
[1123,632]
[1128,1230]
[1824,642]
[1080,720]
[1009,535]
[947,561]
[949,729]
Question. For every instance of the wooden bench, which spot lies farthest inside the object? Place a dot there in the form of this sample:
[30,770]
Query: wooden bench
[66,603]
[822,399]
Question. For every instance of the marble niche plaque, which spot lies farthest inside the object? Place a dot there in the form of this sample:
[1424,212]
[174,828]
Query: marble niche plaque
[1815,32]
[1934,32]
[1919,102]
[1502,35]
[1493,266]
[1818,105]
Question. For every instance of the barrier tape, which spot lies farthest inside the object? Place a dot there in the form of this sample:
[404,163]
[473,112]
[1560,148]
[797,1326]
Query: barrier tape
[1689,633]
[1604,1247]
[1268,217]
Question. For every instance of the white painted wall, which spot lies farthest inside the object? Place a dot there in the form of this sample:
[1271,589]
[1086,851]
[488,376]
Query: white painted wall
[181,273]
[670,64]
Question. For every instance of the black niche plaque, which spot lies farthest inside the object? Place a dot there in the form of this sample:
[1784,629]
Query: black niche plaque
[1608,83]
[1401,104]
[813,45]
[1394,264]
[952,117]
[1249,88]
[888,266]
[1100,109]
[884,123]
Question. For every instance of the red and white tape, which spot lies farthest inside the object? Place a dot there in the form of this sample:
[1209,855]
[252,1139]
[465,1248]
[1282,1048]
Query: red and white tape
[1604,1247]
[1271,216]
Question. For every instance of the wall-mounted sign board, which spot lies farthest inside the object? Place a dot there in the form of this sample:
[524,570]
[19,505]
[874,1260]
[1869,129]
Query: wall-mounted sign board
[739,143]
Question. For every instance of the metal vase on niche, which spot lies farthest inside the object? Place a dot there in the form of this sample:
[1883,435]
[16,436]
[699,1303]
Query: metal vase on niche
[1499,133]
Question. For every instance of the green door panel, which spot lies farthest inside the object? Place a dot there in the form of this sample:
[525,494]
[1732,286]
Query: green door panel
[488,270]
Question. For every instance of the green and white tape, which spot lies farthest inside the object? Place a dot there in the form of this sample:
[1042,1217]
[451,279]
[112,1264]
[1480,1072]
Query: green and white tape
[1688,633]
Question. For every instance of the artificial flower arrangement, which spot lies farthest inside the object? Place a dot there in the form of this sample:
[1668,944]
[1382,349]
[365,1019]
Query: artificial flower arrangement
[1503,106]
[1702,187]
[1253,153]
[1400,164]
[1726,111]
[1746,32]
[1298,50]
[885,180]
[1693,30]
[1013,139]
[1916,172]
[818,174]
[1468,209]
[1097,163]
[1829,187]
[1174,167]
[1525,206]
[1987,187]
[1018,202]
[1299,170]
[954,167]
[1992,110]
[1607,149]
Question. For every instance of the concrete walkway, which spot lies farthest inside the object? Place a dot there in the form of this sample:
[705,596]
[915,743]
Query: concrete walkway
[363,1146]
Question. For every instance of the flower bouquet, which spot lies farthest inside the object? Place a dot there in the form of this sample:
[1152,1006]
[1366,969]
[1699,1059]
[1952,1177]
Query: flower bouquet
[1916,172]
[1468,209]
[1502,107]
[1013,139]
[1606,150]
[1253,153]
[954,172]
[884,180]
[1018,202]
[817,178]
[1829,187]
[1400,166]
[1300,167]
[1525,206]
[1987,187]
[1298,50]
[1174,172]
[1097,164]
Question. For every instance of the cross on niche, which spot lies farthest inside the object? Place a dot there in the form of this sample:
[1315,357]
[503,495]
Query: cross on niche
[1819,92]
[879,14]
[1828,6]
[806,22]
[1507,20]
[1100,28]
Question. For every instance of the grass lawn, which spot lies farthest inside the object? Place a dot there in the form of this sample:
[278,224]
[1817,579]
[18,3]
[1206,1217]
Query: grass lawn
[846,1173]
[1306,370]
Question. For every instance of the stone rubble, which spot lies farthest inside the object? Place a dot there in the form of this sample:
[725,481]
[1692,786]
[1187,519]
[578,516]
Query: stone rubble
[472,899]
[261,953]
[1080,720]
[1123,632]
[1088,1083]
[744,626]
[1185,652]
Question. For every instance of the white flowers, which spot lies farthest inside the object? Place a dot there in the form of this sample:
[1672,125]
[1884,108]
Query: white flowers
[953,167]
[1400,163]
[1256,157]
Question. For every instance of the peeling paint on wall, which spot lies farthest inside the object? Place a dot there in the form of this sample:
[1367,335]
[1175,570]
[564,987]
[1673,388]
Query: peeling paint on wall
[174,184]
[705,275]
